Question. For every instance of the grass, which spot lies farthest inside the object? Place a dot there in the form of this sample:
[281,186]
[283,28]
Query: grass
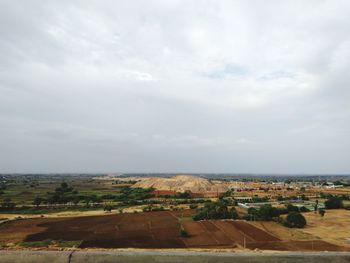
[20,191]
[185,218]
[49,242]
[74,243]
[34,211]
[44,243]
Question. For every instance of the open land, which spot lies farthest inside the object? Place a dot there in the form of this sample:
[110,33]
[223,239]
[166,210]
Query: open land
[158,230]
[108,212]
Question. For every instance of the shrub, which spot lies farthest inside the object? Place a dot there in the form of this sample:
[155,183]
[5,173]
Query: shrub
[7,204]
[292,208]
[107,208]
[295,219]
[265,212]
[216,210]
[334,203]
[183,233]
[322,212]
[193,206]
[304,209]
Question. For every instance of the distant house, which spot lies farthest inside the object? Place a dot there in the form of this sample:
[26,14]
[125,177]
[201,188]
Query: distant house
[330,185]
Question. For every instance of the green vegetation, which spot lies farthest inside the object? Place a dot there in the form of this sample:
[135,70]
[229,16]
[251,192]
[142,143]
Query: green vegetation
[66,197]
[216,210]
[292,208]
[334,203]
[75,243]
[321,212]
[265,212]
[133,194]
[268,213]
[7,205]
[257,199]
[151,208]
[294,219]
[185,218]
[43,211]
[304,209]
[49,242]
[44,243]
[24,189]
[328,196]
[183,233]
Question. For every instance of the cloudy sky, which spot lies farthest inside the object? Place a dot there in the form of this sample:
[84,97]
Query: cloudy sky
[175,86]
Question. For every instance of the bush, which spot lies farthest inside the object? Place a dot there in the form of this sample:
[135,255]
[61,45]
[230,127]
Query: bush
[107,208]
[304,209]
[265,212]
[193,206]
[7,205]
[183,233]
[295,219]
[216,210]
[322,212]
[292,208]
[334,203]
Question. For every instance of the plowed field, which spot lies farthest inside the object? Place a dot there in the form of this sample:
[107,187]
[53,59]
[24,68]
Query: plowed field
[152,230]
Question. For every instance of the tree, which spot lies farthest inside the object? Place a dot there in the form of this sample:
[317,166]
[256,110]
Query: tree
[37,201]
[61,195]
[216,210]
[295,219]
[334,203]
[267,212]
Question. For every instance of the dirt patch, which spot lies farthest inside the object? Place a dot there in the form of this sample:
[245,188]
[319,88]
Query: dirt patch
[153,230]
[253,232]
[201,237]
[143,230]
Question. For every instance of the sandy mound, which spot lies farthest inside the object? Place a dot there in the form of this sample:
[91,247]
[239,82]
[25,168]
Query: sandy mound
[182,183]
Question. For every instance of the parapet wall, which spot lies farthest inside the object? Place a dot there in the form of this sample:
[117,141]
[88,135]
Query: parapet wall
[169,257]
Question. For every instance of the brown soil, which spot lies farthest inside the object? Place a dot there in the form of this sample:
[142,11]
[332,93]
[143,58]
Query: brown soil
[152,230]
[254,233]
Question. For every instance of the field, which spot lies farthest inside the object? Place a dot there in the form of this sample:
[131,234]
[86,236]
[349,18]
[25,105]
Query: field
[333,227]
[149,230]
[23,189]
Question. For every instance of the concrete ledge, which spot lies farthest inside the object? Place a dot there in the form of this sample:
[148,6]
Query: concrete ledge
[170,257]
[34,256]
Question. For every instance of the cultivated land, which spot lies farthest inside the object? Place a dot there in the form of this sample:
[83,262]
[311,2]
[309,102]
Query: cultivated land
[159,230]
[108,212]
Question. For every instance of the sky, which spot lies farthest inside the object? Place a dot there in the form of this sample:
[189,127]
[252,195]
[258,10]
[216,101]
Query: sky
[175,86]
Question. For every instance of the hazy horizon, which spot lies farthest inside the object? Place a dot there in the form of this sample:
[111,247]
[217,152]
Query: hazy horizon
[204,87]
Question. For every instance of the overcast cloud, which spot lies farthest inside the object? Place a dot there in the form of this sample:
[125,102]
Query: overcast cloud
[175,86]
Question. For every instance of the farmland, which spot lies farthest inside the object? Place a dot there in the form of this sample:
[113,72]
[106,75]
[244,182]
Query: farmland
[150,230]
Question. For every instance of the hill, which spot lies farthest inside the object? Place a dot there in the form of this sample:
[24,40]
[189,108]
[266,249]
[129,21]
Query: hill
[182,183]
